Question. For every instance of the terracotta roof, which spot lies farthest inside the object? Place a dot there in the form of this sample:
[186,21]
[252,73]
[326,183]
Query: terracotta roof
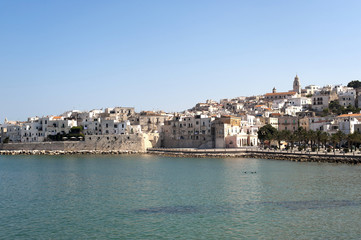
[280,93]
[57,117]
[350,115]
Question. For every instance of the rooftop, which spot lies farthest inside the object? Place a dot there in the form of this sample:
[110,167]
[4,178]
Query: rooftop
[280,93]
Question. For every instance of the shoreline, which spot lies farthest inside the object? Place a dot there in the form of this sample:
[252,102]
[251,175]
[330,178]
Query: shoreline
[68,152]
[205,153]
[273,156]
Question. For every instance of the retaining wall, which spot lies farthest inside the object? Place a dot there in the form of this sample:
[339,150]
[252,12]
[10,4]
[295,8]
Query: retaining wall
[137,143]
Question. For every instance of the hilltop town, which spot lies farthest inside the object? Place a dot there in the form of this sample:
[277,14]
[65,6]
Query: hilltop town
[229,123]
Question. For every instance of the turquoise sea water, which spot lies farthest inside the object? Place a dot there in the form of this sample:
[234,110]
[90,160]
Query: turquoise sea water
[151,197]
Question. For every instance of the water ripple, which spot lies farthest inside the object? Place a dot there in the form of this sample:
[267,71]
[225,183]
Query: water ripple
[311,204]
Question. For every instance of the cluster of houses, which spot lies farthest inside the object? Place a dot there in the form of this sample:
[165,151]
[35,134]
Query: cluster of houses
[229,123]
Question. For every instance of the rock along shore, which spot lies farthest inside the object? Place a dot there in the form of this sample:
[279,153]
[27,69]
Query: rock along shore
[67,152]
[298,157]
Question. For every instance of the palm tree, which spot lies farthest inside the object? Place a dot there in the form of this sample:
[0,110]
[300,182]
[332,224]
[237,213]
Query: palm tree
[293,138]
[300,134]
[341,136]
[357,138]
[318,137]
[279,137]
[334,141]
[311,136]
[337,137]
[286,134]
[282,136]
[349,140]
[353,138]
[325,137]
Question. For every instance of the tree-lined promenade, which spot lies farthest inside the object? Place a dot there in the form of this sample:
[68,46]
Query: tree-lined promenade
[303,139]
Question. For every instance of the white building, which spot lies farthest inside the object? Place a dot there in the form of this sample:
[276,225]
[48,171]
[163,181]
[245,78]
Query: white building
[347,97]
[320,101]
[293,110]
[312,89]
[31,131]
[279,103]
[11,131]
[302,102]
[347,122]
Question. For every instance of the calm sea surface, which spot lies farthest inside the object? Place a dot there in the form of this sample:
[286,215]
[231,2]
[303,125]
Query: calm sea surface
[151,197]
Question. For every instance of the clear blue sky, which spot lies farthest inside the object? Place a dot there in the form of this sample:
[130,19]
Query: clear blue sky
[61,55]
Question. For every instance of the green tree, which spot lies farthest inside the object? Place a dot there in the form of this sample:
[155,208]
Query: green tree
[335,107]
[292,138]
[279,137]
[301,136]
[267,133]
[337,137]
[350,108]
[312,136]
[325,111]
[318,134]
[353,138]
[354,84]
[334,141]
[325,137]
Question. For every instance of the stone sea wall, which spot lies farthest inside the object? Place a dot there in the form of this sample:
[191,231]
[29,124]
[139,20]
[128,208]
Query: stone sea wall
[66,152]
[122,143]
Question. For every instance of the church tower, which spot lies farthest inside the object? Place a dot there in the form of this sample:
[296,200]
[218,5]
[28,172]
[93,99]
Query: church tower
[296,85]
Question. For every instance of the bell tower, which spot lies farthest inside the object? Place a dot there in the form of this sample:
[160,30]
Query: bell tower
[297,85]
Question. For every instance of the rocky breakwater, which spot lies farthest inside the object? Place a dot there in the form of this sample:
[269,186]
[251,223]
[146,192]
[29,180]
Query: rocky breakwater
[297,157]
[67,152]
[307,157]
[198,154]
